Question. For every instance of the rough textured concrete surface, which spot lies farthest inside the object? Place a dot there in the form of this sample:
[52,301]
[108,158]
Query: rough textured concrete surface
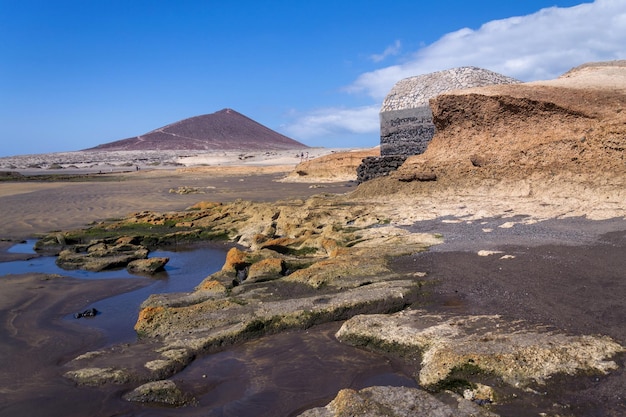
[406,124]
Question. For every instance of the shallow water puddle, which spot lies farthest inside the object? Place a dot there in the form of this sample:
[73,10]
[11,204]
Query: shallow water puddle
[281,374]
[117,315]
[23,247]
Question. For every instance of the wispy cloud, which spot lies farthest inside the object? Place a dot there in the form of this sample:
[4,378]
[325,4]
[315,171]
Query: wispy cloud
[335,121]
[391,50]
[542,45]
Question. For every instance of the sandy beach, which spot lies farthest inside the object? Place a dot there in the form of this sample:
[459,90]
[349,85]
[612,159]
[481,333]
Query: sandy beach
[33,207]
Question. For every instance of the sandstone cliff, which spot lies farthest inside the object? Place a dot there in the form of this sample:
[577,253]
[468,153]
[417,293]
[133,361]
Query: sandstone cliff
[406,123]
[340,166]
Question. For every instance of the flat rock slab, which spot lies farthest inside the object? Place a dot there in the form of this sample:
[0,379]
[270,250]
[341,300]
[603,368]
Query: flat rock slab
[517,352]
[215,324]
[395,401]
[159,392]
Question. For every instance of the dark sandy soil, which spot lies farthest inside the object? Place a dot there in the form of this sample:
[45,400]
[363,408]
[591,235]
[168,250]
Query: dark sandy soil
[28,208]
[35,341]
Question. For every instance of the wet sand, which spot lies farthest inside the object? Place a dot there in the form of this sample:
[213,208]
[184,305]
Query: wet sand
[35,341]
[29,208]
[568,273]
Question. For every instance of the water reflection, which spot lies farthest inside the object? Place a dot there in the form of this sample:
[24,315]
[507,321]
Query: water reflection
[117,315]
[183,272]
[280,374]
[28,246]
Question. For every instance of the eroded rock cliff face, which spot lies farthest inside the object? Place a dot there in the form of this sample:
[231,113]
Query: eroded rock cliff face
[526,137]
[406,123]
[340,166]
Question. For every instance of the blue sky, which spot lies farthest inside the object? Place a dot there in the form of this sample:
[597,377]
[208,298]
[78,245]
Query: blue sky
[78,73]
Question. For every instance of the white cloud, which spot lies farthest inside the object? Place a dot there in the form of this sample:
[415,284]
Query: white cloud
[389,51]
[335,121]
[542,45]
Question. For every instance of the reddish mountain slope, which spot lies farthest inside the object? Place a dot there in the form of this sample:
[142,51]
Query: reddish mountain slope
[222,130]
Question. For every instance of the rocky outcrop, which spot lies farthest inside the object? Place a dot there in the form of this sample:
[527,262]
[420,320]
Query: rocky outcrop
[339,166]
[570,123]
[81,250]
[543,139]
[98,376]
[516,352]
[148,266]
[299,263]
[99,256]
[159,392]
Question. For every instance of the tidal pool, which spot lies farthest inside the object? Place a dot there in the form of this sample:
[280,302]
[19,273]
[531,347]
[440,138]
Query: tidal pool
[117,315]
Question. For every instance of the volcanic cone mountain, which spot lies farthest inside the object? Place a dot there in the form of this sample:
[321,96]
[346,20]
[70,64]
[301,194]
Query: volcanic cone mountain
[222,130]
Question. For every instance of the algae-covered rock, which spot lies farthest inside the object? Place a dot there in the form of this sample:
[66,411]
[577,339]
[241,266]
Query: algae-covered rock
[100,256]
[266,269]
[298,264]
[98,376]
[261,314]
[517,352]
[162,392]
[382,401]
[147,266]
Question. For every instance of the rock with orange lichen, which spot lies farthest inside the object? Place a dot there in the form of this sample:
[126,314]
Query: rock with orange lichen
[235,259]
[266,269]
[148,315]
[163,319]
[211,286]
